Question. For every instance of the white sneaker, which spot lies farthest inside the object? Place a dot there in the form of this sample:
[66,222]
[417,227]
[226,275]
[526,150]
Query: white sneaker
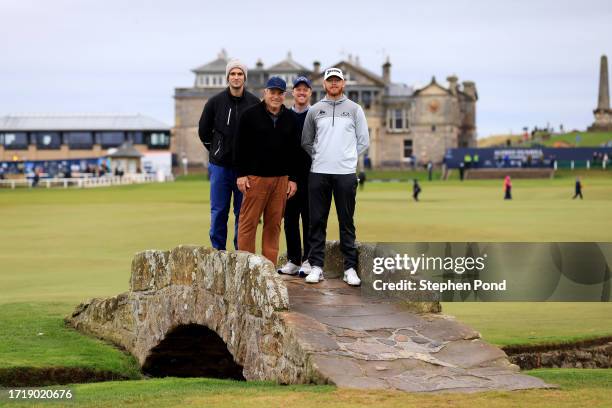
[289,269]
[350,277]
[315,275]
[305,268]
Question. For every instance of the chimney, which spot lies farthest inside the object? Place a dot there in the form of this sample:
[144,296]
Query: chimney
[386,72]
[259,64]
[316,68]
[469,87]
[452,84]
[603,101]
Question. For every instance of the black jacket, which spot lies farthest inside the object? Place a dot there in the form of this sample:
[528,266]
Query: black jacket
[265,148]
[219,124]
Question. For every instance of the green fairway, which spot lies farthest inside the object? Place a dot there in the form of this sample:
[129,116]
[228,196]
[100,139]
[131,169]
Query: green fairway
[59,247]
[67,245]
[579,388]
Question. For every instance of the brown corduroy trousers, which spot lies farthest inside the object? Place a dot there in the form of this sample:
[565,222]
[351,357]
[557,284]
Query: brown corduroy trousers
[267,196]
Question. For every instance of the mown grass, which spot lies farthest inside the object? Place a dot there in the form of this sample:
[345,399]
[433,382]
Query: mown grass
[578,388]
[59,247]
[34,336]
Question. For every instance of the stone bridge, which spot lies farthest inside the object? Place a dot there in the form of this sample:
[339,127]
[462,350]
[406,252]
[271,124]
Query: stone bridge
[196,311]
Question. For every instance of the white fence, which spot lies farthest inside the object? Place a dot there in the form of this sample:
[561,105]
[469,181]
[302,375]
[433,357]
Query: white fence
[87,182]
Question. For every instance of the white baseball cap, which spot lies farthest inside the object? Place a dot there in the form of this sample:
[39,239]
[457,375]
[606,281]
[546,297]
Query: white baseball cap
[330,72]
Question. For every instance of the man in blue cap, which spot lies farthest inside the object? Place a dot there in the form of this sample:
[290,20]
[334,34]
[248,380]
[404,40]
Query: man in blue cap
[266,147]
[297,206]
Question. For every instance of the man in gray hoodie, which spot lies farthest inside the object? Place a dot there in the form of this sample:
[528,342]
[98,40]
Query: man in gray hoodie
[335,134]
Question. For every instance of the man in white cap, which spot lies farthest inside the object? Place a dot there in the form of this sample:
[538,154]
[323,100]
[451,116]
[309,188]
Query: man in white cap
[335,134]
[218,129]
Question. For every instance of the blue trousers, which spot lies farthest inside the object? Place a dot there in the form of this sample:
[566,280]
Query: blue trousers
[222,185]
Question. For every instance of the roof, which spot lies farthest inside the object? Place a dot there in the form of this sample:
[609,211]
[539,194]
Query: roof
[125,151]
[217,65]
[66,122]
[396,89]
[288,65]
[433,83]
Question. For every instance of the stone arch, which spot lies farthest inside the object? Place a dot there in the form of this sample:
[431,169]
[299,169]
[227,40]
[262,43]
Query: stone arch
[192,350]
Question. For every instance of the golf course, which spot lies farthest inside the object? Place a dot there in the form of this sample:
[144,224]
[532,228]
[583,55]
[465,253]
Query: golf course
[59,247]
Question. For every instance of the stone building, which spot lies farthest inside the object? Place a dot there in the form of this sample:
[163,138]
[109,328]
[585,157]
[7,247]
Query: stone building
[405,123]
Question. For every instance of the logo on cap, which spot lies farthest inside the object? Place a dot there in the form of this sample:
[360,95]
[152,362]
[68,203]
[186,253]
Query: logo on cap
[330,72]
[302,80]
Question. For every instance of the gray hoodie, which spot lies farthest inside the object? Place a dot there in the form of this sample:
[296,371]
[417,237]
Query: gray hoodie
[335,134]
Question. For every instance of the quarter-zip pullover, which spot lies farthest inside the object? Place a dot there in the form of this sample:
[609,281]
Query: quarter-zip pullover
[335,134]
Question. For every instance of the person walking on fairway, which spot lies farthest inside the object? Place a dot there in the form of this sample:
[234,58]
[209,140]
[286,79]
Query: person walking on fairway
[335,134]
[217,130]
[416,189]
[362,179]
[266,148]
[578,189]
[297,206]
[507,188]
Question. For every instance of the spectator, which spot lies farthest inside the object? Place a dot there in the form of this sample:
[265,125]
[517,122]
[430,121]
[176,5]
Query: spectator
[578,189]
[507,188]
[416,190]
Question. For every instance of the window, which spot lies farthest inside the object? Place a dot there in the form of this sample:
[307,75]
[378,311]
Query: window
[407,148]
[158,140]
[16,140]
[135,137]
[397,119]
[47,140]
[366,99]
[110,139]
[79,140]
[354,96]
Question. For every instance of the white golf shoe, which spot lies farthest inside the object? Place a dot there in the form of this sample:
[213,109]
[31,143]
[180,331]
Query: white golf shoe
[305,268]
[289,269]
[315,275]
[350,277]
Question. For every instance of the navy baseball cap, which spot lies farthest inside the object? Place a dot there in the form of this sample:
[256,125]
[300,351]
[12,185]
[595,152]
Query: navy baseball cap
[302,80]
[276,83]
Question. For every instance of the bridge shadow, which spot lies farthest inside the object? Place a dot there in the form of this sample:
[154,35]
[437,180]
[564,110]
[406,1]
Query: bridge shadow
[192,350]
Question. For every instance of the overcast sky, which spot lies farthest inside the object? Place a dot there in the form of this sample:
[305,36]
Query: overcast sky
[534,62]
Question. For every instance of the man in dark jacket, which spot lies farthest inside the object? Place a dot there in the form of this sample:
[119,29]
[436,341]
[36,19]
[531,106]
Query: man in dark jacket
[266,148]
[218,127]
[297,206]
